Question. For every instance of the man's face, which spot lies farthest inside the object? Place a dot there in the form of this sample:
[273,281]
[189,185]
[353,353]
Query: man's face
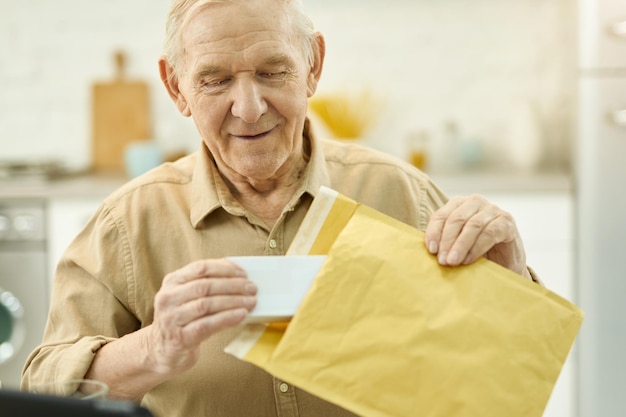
[245,81]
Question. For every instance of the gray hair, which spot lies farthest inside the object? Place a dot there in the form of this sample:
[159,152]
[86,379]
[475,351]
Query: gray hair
[181,12]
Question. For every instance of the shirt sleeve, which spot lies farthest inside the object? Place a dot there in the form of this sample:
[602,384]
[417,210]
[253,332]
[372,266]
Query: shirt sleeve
[86,312]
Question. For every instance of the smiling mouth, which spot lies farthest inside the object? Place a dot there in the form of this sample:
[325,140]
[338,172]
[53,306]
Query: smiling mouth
[253,136]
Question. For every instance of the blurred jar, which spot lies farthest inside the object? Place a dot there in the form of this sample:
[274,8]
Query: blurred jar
[141,156]
[471,153]
[446,150]
[418,149]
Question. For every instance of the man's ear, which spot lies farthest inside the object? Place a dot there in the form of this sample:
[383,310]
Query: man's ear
[170,80]
[315,72]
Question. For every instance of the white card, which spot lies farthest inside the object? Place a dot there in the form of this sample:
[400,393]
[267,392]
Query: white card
[282,283]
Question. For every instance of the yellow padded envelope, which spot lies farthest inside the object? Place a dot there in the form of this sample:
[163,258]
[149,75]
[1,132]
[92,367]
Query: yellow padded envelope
[385,331]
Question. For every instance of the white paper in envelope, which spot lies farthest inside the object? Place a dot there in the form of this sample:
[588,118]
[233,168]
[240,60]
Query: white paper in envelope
[282,283]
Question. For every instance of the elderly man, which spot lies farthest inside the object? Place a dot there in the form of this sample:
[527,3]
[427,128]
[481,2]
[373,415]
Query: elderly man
[143,299]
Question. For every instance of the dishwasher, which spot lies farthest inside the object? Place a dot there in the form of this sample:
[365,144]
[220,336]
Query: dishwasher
[24,284]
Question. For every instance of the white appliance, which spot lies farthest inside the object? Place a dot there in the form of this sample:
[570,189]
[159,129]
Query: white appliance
[601,204]
[23,284]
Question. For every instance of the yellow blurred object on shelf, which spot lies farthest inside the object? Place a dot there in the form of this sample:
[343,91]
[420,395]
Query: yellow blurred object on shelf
[418,159]
[347,115]
[418,149]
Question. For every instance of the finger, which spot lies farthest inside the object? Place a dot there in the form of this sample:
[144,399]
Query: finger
[434,230]
[202,269]
[179,326]
[201,308]
[455,222]
[175,340]
[203,288]
[479,234]
[199,330]
[499,233]
[471,243]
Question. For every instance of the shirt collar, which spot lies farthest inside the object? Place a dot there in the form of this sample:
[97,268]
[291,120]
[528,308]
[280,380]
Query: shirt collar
[209,191]
[316,174]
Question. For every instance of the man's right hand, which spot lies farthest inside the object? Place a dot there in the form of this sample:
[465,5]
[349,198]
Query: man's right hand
[195,302]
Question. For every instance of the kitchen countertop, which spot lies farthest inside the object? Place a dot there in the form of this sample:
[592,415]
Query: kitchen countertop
[72,186]
[489,182]
[101,185]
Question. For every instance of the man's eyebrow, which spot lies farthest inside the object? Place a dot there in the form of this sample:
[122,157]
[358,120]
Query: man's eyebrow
[274,60]
[280,59]
[208,71]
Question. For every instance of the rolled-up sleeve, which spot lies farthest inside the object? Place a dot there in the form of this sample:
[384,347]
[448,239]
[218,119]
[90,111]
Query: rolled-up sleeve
[86,312]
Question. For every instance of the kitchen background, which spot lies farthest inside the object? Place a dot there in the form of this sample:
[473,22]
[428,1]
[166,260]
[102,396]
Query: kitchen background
[489,88]
[492,68]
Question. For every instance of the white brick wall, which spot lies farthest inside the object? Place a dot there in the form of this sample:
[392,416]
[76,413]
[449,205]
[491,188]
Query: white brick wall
[466,61]
[54,50]
[460,60]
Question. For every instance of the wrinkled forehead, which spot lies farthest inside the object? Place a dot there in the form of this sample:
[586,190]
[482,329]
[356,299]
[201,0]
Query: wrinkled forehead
[240,28]
[217,20]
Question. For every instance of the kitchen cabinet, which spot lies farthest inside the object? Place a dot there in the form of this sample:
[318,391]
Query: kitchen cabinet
[545,221]
[602,34]
[69,202]
[66,218]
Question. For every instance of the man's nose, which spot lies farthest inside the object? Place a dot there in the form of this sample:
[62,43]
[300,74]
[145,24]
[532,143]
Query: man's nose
[248,102]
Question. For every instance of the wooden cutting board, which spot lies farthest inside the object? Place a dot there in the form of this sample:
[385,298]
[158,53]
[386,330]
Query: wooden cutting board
[120,115]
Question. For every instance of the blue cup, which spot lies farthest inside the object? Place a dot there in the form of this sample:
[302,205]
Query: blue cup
[141,156]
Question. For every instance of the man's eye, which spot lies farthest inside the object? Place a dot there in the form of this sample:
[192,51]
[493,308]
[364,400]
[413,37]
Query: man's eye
[212,83]
[274,75]
[216,82]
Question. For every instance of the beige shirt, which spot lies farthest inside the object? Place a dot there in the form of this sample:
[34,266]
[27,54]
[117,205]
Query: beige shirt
[180,212]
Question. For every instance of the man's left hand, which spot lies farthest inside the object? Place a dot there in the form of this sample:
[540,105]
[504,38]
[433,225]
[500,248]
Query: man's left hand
[467,228]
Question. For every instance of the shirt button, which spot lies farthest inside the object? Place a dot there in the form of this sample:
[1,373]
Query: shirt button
[272,244]
[283,387]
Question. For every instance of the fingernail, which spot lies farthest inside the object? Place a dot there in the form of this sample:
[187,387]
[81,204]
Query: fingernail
[453,258]
[250,302]
[250,288]
[239,314]
[432,247]
[442,258]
